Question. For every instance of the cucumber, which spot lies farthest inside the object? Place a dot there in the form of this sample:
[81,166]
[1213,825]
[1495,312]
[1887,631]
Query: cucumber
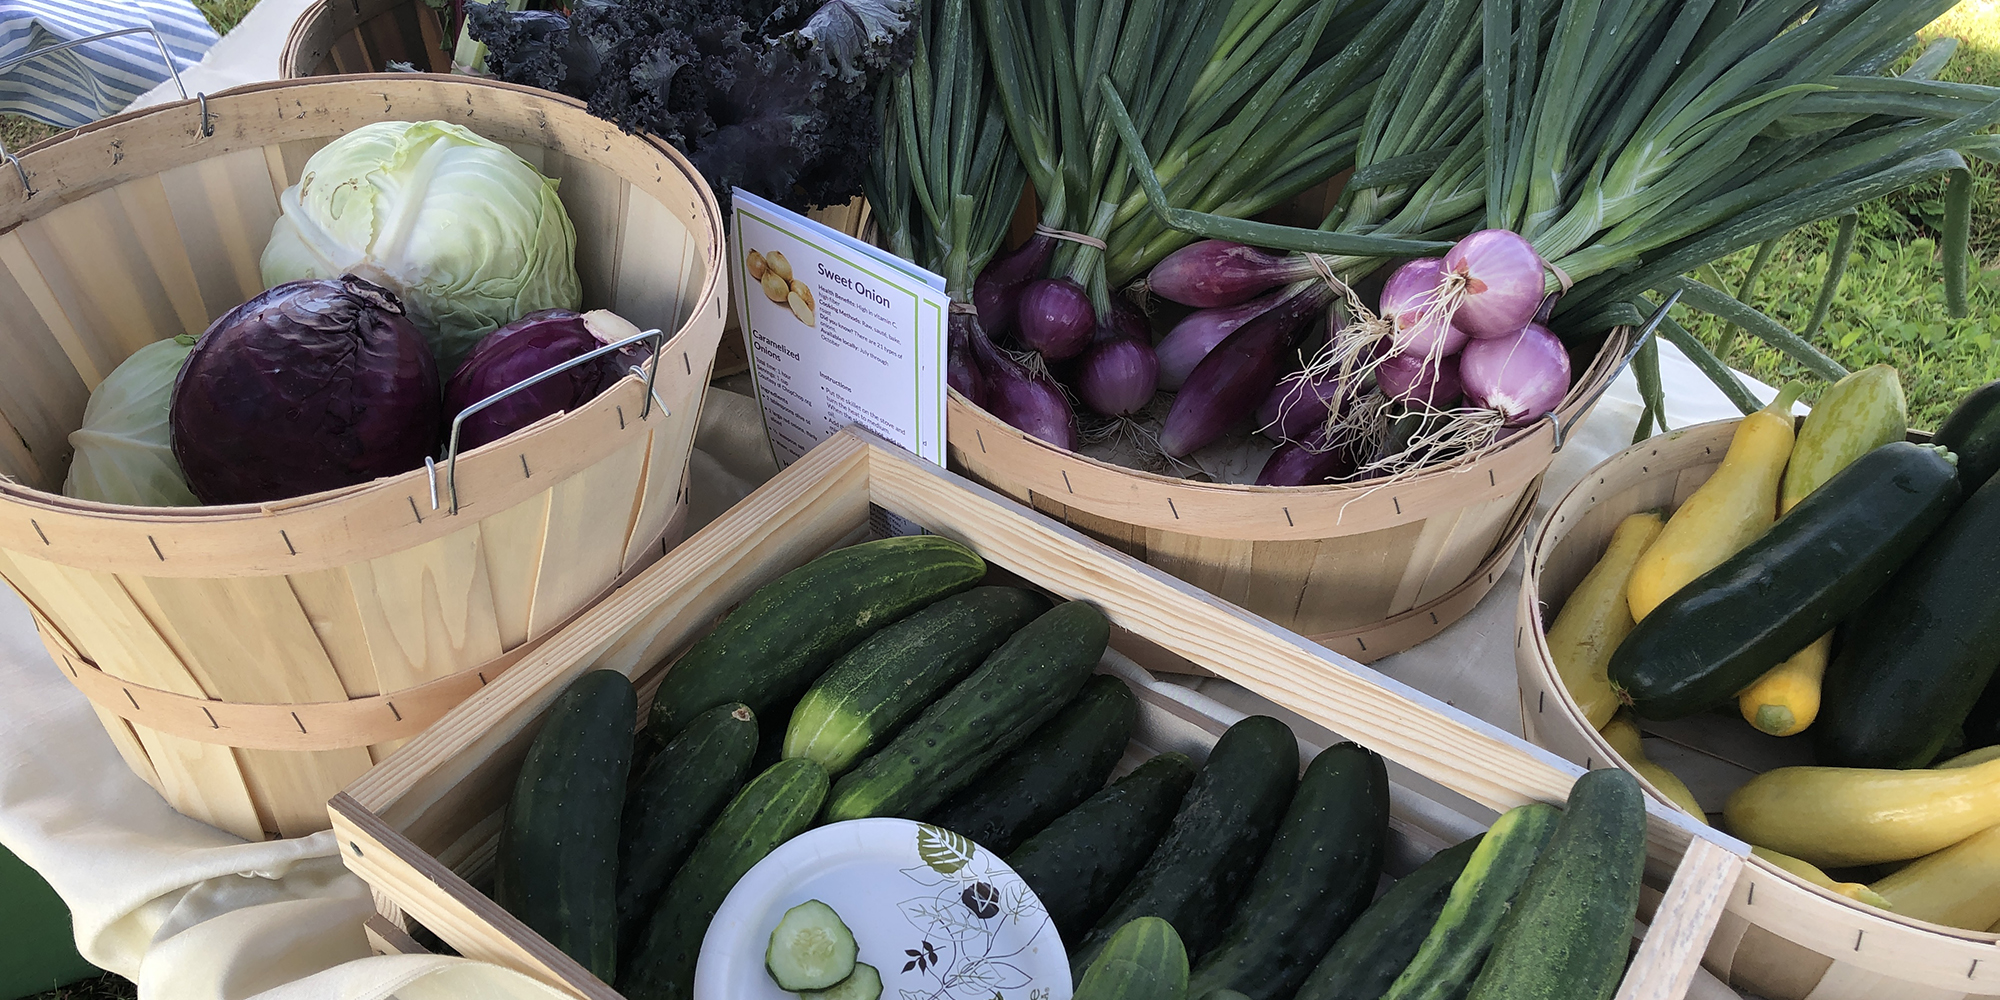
[1318,876]
[557,866]
[1917,655]
[1457,943]
[881,684]
[1972,432]
[1818,565]
[774,807]
[1025,682]
[768,650]
[682,791]
[1060,765]
[1144,960]
[1982,726]
[1368,958]
[1570,928]
[1199,872]
[1079,863]
[810,949]
[864,984]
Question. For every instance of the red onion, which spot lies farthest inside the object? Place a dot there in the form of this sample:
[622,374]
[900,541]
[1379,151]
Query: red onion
[1227,385]
[1410,299]
[1523,376]
[1416,379]
[1056,318]
[1025,400]
[1220,273]
[1193,337]
[1118,377]
[1503,282]
[961,368]
[1297,405]
[997,290]
[1299,464]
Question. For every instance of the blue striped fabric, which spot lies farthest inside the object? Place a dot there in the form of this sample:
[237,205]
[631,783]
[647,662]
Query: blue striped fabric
[77,87]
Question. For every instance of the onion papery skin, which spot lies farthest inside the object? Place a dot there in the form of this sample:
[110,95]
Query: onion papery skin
[1521,377]
[1503,276]
[1056,318]
[1214,273]
[1409,300]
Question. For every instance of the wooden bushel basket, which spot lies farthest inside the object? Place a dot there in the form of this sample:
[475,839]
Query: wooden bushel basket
[421,828]
[333,37]
[1782,938]
[250,660]
[1364,569]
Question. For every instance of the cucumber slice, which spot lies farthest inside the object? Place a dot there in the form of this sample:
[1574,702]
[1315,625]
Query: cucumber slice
[864,984]
[810,949]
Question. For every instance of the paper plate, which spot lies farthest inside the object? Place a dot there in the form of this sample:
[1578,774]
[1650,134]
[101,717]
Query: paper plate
[940,917]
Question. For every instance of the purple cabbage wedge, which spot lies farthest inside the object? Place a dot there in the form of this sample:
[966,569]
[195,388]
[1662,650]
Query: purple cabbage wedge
[997,291]
[309,386]
[1225,388]
[519,351]
[1056,318]
[1027,401]
[1119,373]
[1220,273]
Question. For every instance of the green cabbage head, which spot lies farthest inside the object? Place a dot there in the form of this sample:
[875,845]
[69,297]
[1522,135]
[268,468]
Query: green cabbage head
[124,451]
[464,231]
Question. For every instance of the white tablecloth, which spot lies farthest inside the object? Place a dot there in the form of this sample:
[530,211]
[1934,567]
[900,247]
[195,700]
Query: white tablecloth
[192,913]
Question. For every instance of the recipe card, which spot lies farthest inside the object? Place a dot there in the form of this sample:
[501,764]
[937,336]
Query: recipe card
[839,332]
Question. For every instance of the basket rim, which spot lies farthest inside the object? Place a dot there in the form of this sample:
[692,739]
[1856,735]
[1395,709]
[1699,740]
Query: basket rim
[288,57]
[1542,544]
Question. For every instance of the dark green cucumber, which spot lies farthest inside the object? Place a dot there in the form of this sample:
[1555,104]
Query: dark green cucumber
[1812,569]
[1450,954]
[1915,658]
[684,788]
[1061,764]
[881,684]
[557,867]
[1982,725]
[1569,930]
[772,647]
[1367,959]
[1077,865]
[1972,432]
[1025,682]
[1318,876]
[774,807]
[1199,872]
[1143,961]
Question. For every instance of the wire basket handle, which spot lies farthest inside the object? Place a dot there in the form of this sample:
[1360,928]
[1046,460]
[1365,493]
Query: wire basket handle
[207,123]
[649,370]
[1645,332]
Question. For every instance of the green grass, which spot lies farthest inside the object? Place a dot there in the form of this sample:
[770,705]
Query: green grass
[1891,306]
[105,987]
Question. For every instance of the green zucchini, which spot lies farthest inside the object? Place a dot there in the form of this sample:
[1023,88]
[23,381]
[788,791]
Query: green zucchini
[557,867]
[1972,432]
[881,684]
[1143,961]
[773,808]
[1855,416]
[1450,954]
[1199,872]
[1367,959]
[1318,876]
[1813,568]
[683,790]
[1569,930]
[864,984]
[811,949]
[1062,764]
[1025,682]
[1077,865]
[772,647]
[1918,654]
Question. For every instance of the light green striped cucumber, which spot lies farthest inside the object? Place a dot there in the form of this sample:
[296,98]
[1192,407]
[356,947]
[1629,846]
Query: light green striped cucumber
[557,866]
[1451,954]
[1855,416]
[1144,960]
[772,647]
[1569,931]
[990,712]
[773,808]
[881,684]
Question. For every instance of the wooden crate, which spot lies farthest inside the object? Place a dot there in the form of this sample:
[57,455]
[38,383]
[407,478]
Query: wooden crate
[1782,937]
[421,826]
[250,660]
